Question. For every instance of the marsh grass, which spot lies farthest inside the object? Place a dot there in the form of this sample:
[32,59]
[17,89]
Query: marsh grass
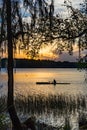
[61,104]
[55,104]
[3,104]
[3,110]
[83,121]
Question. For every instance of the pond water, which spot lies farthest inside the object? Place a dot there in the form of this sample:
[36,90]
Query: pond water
[25,81]
[25,85]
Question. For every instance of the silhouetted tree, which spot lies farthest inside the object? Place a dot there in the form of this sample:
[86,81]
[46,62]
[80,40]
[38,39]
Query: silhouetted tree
[44,27]
[12,32]
[10,102]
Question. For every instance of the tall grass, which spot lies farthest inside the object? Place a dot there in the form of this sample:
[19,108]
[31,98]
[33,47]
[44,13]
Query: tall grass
[61,104]
[37,105]
[3,110]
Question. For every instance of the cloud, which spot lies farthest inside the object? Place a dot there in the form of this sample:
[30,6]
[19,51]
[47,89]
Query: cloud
[75,3]
[66,57]
[59,8]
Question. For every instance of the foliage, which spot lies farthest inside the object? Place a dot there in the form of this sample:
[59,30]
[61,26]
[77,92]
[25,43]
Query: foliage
[2,121]
[44,27]
[82,65]
[2,115]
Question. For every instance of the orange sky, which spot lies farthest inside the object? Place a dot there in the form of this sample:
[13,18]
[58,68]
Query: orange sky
[46,52]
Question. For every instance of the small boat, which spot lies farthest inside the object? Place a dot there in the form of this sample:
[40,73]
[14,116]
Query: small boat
[41,83]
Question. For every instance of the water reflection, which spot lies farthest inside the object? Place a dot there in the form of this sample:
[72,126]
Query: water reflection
[50,104]
[53,110]
[25,81]
[56,103]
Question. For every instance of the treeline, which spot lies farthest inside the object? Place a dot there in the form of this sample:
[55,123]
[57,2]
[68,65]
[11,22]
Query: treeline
[25,63]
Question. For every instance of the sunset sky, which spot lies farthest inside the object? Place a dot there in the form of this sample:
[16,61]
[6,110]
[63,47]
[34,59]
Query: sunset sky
[47,51]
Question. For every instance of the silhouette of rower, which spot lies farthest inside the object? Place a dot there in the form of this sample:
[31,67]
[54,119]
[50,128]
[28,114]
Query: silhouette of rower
[54,81]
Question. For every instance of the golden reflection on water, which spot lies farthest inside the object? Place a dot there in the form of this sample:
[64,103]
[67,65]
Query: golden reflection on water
[25,84]
[25,81]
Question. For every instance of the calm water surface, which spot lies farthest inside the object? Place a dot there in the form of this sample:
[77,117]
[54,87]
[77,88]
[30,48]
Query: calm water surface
[25,84]
[25,81]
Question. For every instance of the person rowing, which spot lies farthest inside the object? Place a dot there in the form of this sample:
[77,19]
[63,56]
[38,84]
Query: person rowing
[54,82]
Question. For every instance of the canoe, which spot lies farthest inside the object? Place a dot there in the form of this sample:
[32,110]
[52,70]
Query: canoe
[41,83]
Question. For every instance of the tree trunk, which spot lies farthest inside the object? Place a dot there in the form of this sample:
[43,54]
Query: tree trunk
[10,101]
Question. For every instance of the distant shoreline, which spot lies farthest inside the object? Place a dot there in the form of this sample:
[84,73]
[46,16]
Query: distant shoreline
[26,63]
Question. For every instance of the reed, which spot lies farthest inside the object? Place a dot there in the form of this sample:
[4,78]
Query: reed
[3,110]
[82,121]
[3,104]
[67,124]
[61,104]
[55,104]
